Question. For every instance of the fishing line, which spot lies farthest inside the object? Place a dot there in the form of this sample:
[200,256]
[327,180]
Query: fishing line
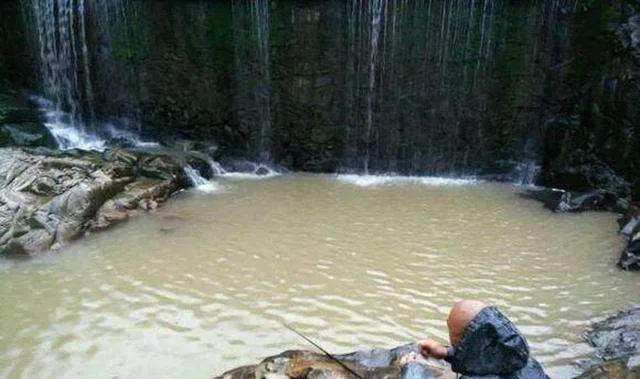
[329,355]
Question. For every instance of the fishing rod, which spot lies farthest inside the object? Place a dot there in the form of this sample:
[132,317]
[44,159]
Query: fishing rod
[326,353]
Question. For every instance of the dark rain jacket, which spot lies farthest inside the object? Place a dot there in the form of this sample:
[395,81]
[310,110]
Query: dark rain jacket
[492,348]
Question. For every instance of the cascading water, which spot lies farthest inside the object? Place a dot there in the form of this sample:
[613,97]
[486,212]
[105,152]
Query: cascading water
[60,37]
[376,15]
[253,71]
[260,11]
[216,168]
[527,173]
[64,129]
[63,56]
[199,182]
[381,96]
[381,86]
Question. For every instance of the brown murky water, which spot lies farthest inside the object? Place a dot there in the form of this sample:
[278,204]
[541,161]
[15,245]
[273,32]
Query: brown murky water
[204,284]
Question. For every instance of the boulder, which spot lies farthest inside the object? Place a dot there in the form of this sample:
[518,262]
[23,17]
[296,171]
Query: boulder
[120,162]
[160,166]
[630,257]
[262,170]
[618,336]
[565,201]
[582,172]
[592,201]
[15,108]
[618,369]
[238,165]
[26,134]
[630,230]
[617,344]
[201,162]
[21,123]
[300,364]
[550,197]
[69,212]
[144,194]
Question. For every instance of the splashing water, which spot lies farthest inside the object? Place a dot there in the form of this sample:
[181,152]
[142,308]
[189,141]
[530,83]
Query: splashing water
[60,36]
[526,173]
[119,134]
[216,168]
[67,136]
[200,183]
[379,180]
[259,171]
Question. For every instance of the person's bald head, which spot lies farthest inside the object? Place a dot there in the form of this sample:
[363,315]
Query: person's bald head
[460,316]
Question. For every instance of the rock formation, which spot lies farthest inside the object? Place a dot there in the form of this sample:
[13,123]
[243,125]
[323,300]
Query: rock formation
[300,364]
[617,343]
[48,198]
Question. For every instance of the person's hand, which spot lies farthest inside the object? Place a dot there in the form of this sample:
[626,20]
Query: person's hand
[432,349]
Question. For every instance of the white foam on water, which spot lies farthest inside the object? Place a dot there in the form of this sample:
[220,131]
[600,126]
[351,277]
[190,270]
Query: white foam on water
[209,187]
[216,168]
[116,133]
[379,180]
[199,183]
[248,175]
[69,137]
[261,171]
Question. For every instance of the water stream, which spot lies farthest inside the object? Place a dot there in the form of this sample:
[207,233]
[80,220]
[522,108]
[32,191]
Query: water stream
[203,284]
[199,182]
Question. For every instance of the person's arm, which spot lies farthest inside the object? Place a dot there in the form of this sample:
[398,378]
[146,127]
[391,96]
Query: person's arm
[433,349]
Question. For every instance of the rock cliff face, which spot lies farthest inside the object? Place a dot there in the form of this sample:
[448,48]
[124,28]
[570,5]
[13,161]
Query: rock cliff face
[48,198]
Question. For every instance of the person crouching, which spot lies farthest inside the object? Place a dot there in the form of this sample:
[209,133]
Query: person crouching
[484,345]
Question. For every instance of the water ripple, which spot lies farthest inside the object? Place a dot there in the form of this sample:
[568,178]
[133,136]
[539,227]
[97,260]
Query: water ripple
[352,268]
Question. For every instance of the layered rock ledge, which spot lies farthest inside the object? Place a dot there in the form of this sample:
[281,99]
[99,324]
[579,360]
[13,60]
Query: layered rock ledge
[48,198]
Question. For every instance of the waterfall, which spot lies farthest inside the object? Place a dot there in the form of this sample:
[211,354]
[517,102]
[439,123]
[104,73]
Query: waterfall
[415,73]
[199,183]
[376,14]
[260,11]
[529,173]
[59,36]
[216,168]
[253,71]
[64,131]
[368,86]
[63,57]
